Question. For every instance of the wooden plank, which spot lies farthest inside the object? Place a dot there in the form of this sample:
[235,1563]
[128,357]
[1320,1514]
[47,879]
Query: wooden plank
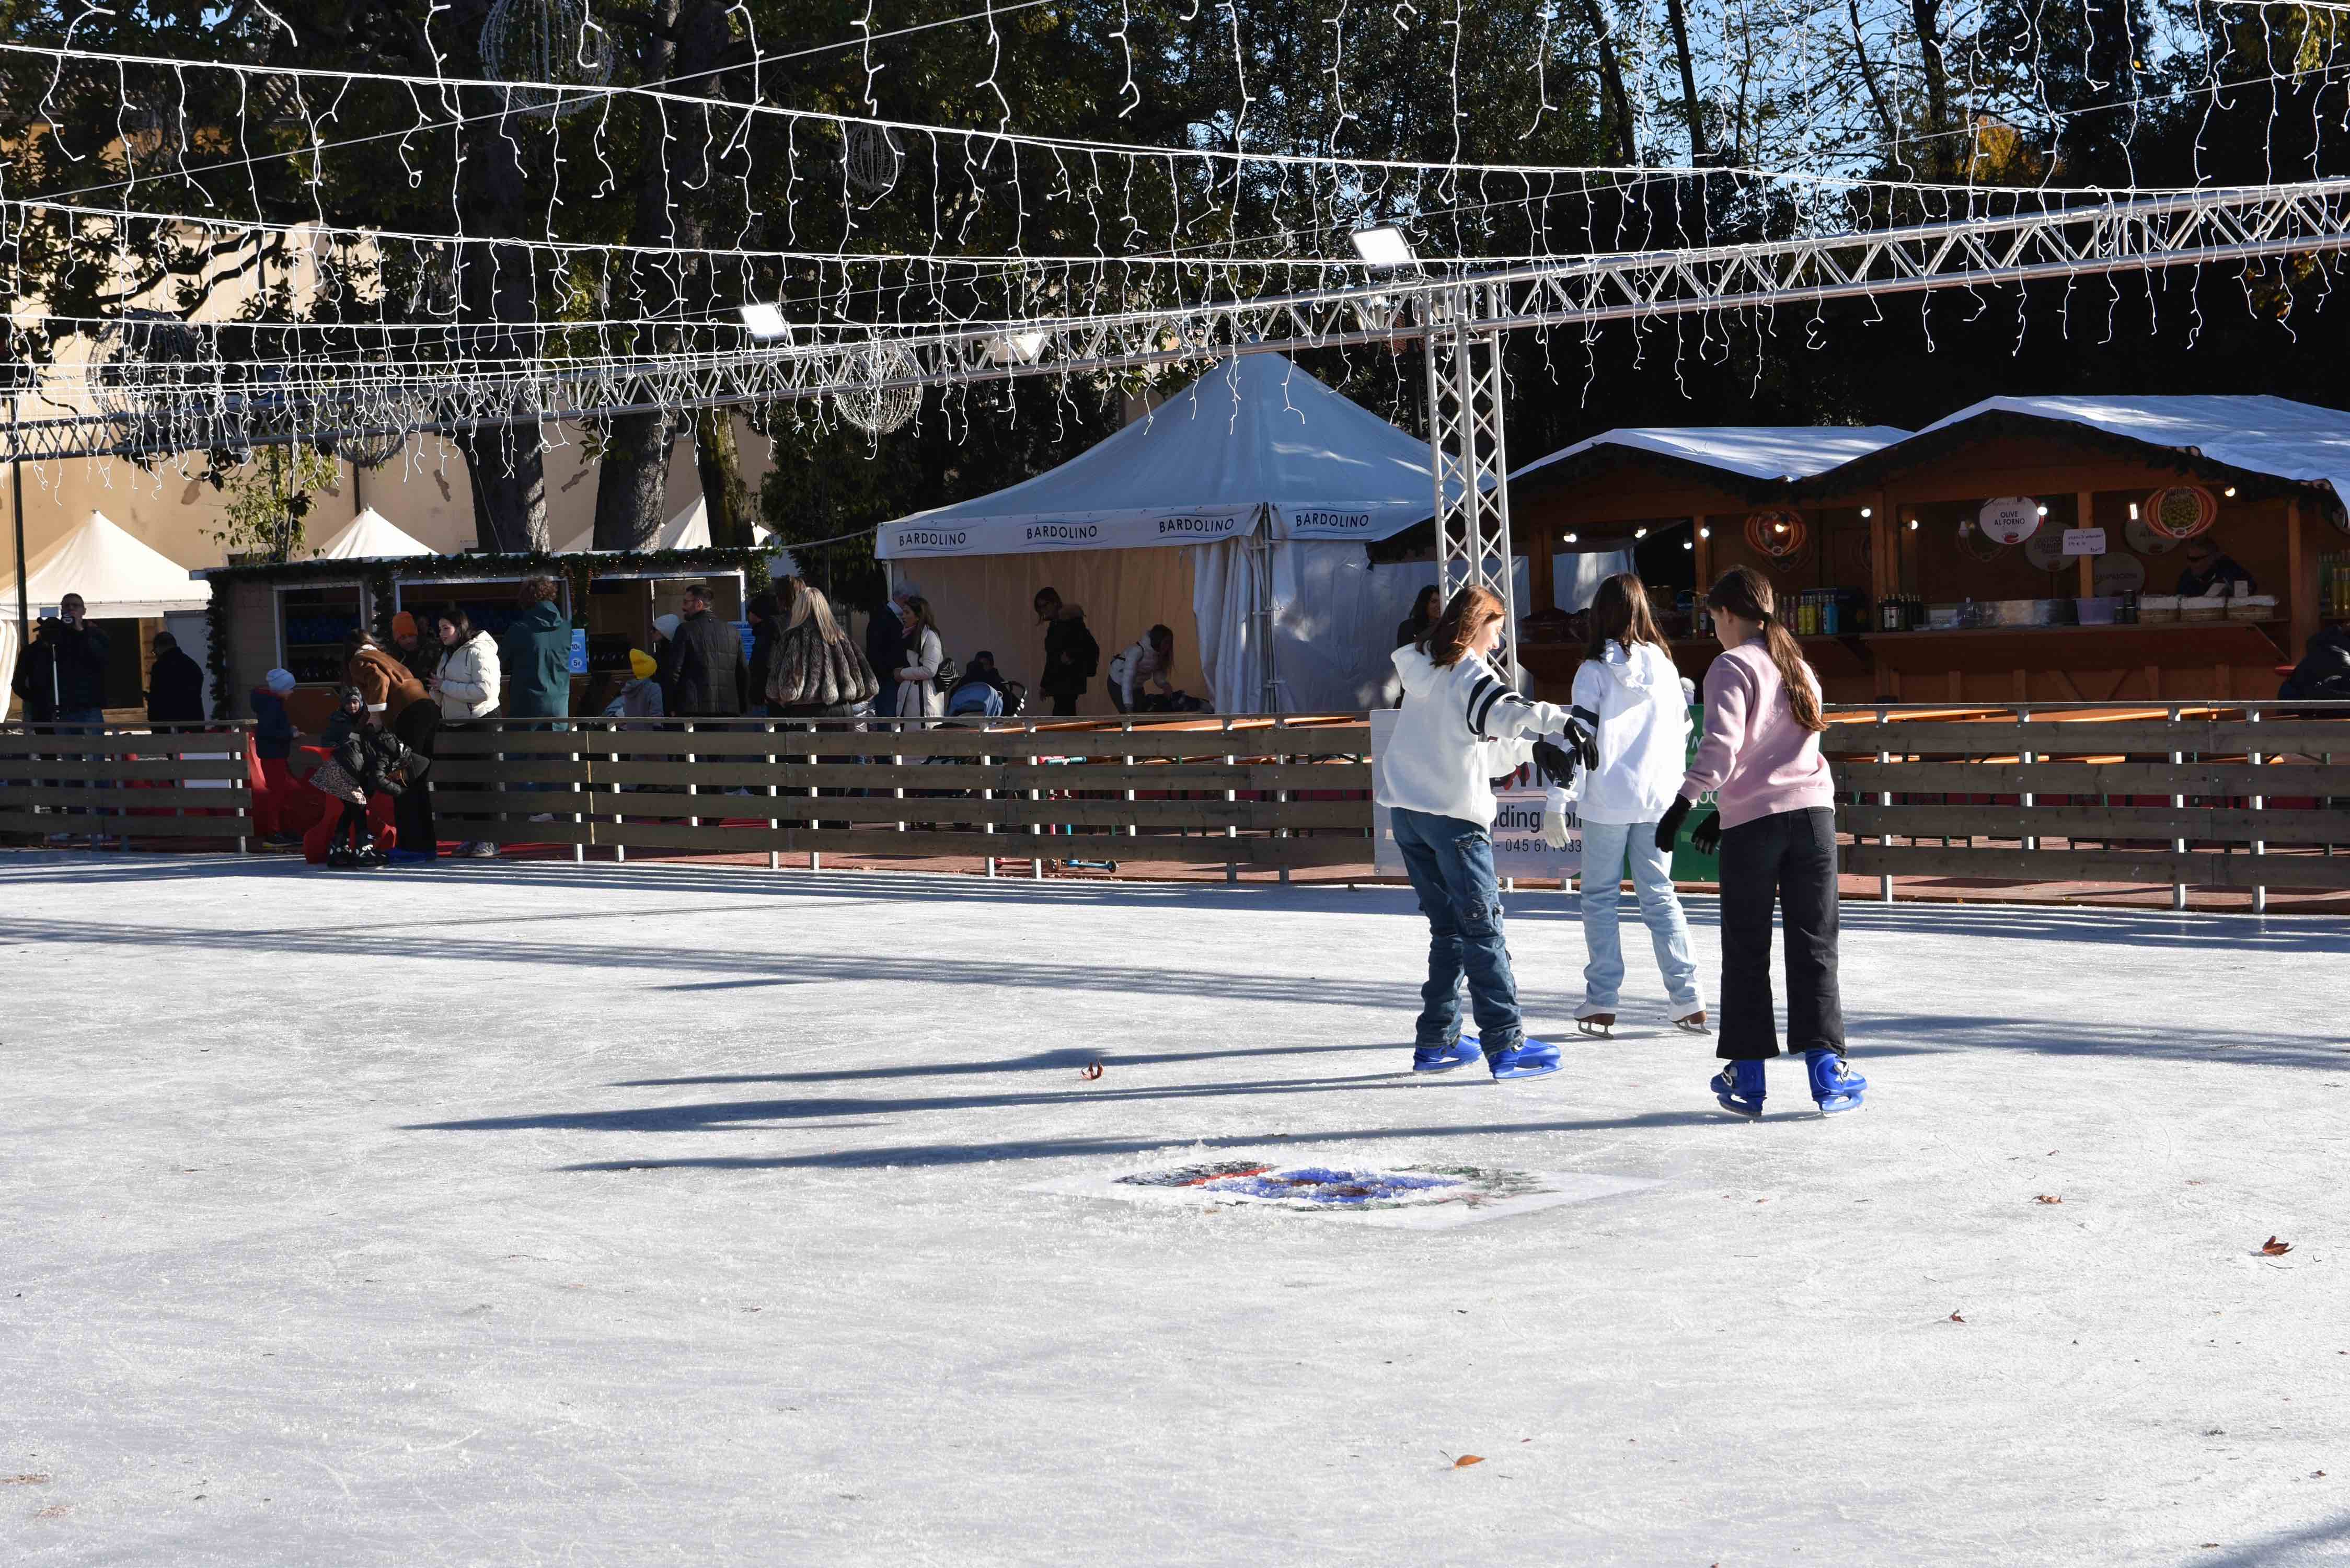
[1333,850]
[1003,812]
[2229,738]
[16,796]
[2157,868]
[1261,740]
[1162,778]
[79,823]
[35,770]
[2077,822]
[515,830]
[488,770]
[20,742]
[2092,778]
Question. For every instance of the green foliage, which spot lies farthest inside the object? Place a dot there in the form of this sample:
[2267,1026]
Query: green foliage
[268,497]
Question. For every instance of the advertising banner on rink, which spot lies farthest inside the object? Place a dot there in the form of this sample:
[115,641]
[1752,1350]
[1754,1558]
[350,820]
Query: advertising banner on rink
[1518,846]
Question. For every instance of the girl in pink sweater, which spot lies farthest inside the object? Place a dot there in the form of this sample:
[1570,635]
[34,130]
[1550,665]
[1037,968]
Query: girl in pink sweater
[1776,824]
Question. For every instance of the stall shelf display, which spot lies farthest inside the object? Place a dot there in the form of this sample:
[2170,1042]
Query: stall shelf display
[313,624]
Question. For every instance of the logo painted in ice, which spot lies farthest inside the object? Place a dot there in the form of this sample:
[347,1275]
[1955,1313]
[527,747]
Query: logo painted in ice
[1315,1187]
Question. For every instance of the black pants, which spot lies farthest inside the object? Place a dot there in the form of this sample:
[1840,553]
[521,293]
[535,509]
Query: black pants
[418,726]
[351,826]
[1065,704]
[1789,859]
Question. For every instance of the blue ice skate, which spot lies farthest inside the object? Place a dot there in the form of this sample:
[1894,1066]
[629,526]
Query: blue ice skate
[1739,1087]
[1529,1058]
[1444,1058]
[1834,1086]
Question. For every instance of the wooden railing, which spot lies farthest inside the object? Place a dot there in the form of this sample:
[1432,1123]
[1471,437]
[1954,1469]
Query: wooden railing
[2245,795]
[118,781]
[1279,792]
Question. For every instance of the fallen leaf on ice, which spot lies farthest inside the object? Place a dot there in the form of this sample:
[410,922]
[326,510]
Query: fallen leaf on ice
[55,1511]
[1956,1318]
[1467,1460]
[2273,1248]
[24,1480]
[2047,1198]
[1092,1070]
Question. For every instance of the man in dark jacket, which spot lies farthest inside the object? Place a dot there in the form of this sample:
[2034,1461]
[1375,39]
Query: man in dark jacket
[175,685]
[706,674]
[535,655]
[761,613]
[80,652]
[36,680]
[2323,673]
[1071,654]
[885,648]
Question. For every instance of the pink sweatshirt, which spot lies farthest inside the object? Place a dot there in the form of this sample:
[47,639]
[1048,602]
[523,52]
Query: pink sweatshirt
[1754,756]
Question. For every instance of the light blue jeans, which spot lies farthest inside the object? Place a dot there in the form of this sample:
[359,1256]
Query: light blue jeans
[1605,847]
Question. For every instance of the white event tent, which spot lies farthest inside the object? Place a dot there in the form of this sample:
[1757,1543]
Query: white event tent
[119,577]
[1245,499]
[689,530]
[370,536]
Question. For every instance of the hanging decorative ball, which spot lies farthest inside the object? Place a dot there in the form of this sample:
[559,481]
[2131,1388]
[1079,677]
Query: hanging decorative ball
[545,41]
[865,395]
[382,426]
[152,374]
[871,157]
[1778,532]
[2181,511]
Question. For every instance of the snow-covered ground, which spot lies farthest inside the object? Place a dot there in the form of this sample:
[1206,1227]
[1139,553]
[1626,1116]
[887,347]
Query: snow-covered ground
[519,1214]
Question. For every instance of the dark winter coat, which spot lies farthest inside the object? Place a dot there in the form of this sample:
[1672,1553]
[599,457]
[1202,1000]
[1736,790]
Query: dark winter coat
[810,672]
[36,680]
[706,674]
[175,690]
[2323,673]
[1071,655]
[80,666]
[535,657]
[380,761]
[272,727]
[885,639]
[763,659]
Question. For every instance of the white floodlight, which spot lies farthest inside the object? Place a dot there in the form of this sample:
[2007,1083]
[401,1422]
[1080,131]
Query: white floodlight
[1639,533]
[1383,246]
[766,322]
[1016,347]
[1567,538]
[1866,512]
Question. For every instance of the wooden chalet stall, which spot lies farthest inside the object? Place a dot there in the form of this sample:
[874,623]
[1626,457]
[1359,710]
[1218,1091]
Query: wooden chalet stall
[2011,622]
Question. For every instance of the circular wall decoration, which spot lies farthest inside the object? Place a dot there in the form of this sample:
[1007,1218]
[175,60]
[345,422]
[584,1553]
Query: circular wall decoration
[2145,540]
[2181,511]
[1777,533]
[2009,519]
[1978,544]
[2046,550]
[2336,514]
[2119,572]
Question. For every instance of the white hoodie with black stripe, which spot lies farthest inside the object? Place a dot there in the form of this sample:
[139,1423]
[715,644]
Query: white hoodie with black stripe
[1461,727]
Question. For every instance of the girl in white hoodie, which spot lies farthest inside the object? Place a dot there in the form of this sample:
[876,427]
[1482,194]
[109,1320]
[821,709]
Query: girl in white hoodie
[1461,727]
[1632,705]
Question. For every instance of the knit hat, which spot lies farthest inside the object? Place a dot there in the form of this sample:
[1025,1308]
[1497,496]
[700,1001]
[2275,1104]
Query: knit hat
[665,625]
[279,681]
[642,663]
[403,625]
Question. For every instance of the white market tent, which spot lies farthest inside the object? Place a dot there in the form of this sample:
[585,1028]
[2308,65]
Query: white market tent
[2274,436]
[1258,487]
[370,536]
[119,577]
[689,530]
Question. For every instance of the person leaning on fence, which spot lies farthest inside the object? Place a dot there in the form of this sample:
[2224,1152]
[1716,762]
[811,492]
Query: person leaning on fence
[175,685]
[467,686]
[1143,664]
[1460,726]
[1630,720]
[1776,824]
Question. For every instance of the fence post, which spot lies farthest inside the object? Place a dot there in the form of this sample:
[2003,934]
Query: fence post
[1884,798]
[2260,845]
[987,794]
[2177,803]
[1280,796]
[579,818]
[1036,828]
[1232,867]
[775,857]
[244,749]
[2023,716]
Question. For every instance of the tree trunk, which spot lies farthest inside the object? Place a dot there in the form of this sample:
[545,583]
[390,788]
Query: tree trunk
[632,481]
[1942,153]
[1690,104]
[723,490]
[1611,82]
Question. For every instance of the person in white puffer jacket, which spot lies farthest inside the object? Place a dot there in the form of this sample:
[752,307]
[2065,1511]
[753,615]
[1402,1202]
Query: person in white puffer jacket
[1461,727]
[1633,704]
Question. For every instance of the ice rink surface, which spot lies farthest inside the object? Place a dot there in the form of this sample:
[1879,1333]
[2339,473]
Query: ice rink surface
[598,1215]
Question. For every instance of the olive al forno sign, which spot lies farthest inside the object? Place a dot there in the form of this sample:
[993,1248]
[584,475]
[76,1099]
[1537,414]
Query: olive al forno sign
[1518,846]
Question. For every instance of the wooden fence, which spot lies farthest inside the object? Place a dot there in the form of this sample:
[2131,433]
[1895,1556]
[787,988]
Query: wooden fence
[2246,796]
[1272,793]
[149,781]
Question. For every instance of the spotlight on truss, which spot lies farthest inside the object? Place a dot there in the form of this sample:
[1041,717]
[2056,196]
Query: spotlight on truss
[1016,347]
[766,322]
[1384,246]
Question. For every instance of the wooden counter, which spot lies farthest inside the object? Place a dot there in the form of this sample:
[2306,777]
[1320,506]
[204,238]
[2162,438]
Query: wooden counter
[2080,663]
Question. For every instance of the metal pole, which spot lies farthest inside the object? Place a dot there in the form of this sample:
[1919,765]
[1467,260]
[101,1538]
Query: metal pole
[24,587]
[2260,845]
[1468,455]
[1884,798]
[2177,803]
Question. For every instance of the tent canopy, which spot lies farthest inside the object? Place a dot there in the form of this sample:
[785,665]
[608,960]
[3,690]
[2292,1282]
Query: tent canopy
[118,576]
[689,530]
[370,536]
[1256,432]
[2272,436]
[1768,452]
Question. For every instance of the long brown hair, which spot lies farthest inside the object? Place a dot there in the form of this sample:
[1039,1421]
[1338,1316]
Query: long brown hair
[1620,613]
[1470,609]
[1743,593]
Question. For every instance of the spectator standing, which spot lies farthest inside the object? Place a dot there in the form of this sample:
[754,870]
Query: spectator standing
[535,655]
[919,696]
[706,676]
[381,678]
[1424,611]
[175,685]
[468,685]
[885,646]
[817,671]
[413,646]
[273,743]
[1071,655]
[36,680]
[1143,664]
[761,611]
[78,678]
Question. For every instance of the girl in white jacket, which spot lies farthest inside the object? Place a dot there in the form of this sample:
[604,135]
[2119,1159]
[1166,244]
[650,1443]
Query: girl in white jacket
[1632,705]
[1460,726]
[467,683]
[919,696]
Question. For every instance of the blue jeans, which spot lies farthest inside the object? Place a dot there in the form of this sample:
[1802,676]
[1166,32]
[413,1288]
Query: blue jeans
[1451,863]
[1605,847]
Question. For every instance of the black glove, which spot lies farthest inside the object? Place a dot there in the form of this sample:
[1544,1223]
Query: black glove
[1705,836]
[1671,824]
[1556,766]
[1584,744]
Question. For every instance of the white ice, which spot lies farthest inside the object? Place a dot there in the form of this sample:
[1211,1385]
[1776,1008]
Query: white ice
[628,1215]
